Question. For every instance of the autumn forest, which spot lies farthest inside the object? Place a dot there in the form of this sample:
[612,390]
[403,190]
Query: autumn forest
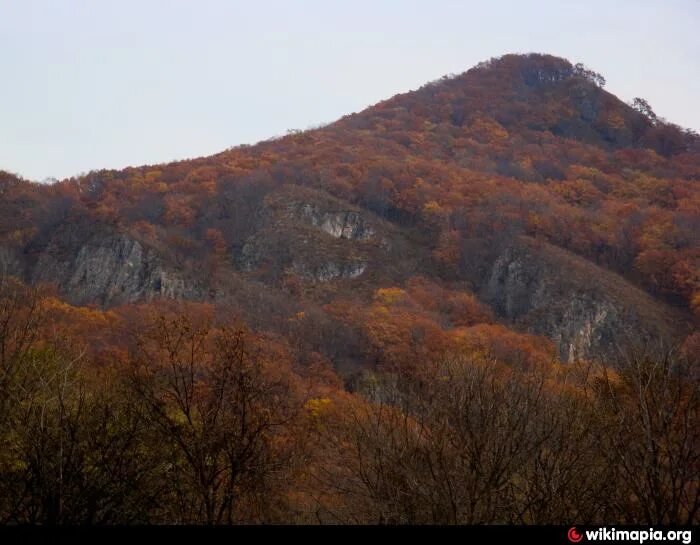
[473,303]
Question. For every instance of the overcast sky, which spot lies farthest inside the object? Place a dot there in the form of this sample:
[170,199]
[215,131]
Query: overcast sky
[87,84]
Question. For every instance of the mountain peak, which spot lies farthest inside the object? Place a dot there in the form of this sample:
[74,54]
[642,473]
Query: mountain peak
[538,68]
[526,93]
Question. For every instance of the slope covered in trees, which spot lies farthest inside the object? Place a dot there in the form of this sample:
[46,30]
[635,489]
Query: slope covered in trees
[408,315]
[467,182]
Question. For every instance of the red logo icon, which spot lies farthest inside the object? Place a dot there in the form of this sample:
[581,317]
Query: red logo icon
[573,535]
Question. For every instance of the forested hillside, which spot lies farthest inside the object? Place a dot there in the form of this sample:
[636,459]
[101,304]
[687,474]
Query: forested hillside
[476,302]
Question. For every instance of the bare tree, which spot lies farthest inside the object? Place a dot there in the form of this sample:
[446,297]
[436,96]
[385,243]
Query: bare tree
[215,411]
[650,404]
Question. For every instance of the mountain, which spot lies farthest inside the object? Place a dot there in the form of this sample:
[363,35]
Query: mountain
[518,194]
[475,303]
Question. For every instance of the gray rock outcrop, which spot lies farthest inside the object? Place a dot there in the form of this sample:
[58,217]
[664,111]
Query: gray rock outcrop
[106,267]
[345,224]
[550,292]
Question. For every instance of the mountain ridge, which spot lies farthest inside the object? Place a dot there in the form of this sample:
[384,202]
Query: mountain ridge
[439,183]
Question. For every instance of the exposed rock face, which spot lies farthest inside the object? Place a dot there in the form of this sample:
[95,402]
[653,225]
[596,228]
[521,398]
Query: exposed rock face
[303,257]
[106,267]
[555,295]
[584,328]
[329,270]
[312,235]
[251,255]
[341,224]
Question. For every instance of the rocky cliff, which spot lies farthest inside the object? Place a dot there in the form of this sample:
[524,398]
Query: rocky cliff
[107,267]
[319,239]
[586,310]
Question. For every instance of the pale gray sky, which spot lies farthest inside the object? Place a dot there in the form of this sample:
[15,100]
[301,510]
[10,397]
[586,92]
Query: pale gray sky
[87,84]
